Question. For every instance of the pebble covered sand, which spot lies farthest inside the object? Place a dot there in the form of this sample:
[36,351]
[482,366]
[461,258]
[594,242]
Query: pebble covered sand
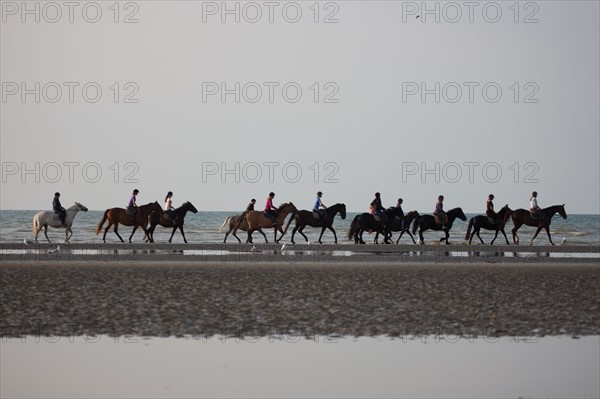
[253,299]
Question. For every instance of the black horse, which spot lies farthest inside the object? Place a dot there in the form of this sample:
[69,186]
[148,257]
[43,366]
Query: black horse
[523,216]
[426,222]
[306,218]
[402,224]
[367,222]
[156,218]
[483,222]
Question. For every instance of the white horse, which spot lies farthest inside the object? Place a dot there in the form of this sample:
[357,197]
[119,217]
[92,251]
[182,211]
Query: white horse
[49,218]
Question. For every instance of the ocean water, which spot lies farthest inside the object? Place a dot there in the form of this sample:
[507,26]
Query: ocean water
[203,227]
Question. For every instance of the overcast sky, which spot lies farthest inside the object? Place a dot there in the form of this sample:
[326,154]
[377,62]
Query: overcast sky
[516,110]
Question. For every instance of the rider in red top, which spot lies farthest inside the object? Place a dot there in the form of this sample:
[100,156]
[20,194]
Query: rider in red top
[270,209]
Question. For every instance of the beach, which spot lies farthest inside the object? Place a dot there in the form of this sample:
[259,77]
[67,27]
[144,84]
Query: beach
[176,298]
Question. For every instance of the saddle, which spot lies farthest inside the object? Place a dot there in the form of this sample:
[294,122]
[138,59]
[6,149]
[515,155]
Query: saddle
[438,220]
[131,211]
[317,215]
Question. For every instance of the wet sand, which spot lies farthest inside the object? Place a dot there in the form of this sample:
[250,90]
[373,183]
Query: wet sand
[174,298]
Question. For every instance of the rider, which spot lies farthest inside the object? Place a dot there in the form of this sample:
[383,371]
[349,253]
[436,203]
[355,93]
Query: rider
[378,209]
[58,208]
[270,209]
[319,207]
[489,210]
[250,206]
[169,209]
[132,208]
[399,218]
[534,208]
[439,211]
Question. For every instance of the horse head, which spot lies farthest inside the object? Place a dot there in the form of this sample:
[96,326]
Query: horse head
[562,212]
[191,207]
[80,207]
[459,214]
[342,211]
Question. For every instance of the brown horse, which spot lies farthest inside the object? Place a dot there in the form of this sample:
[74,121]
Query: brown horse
[257,220]
[523,216]
[119,215]
[230,222]
[306,218]
[157,218]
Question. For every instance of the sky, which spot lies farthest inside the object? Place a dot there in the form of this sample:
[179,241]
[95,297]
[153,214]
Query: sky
[410,99]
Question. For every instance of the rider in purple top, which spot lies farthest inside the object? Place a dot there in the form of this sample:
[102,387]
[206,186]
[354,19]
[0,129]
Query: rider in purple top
[132,208]
[439,211]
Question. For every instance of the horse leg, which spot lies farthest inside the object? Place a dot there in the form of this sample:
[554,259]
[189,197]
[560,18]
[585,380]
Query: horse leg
[421,239]
[70,234]
[321,235]
[46,232]
[334,235]
[362,231]
[294,232]
[448,236]
[182,234]
[172,234]
[281,231]
[264,235]
[301,231]
[249,239]
[225,239]
[116,230]
[410,235]
[514,234]
[106,231]
[535,235]
[480,239]
[492,243]
[376,237]
[504,234]
[132,233]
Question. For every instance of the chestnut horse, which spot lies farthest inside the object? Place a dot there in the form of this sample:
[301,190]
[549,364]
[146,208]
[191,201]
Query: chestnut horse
[257,220]
[119,215]
[306,218]
[523,216]
[230,222]
[157,218]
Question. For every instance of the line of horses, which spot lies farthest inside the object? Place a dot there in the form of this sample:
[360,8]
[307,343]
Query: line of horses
[151,215]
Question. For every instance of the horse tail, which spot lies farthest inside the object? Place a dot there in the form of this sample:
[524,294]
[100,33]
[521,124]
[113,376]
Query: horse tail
[239,221]
[415,225]
[102,222]
[36,224]
[225,223]
[469,229]
[353,227]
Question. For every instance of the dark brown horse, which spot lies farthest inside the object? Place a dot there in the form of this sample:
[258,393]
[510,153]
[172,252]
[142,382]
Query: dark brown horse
[306,218]
[426,222]
[402,224]
[119,215]
[483,222]
[367,222]
[523,216]
[257,220]
[231,222]
[157,218]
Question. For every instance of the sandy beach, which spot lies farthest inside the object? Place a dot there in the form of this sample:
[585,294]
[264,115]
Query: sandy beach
[257,299]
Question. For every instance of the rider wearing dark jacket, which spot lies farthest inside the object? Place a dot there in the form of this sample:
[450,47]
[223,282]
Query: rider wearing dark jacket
[58,208]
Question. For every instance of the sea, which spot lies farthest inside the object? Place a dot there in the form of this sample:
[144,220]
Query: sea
[204,227]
